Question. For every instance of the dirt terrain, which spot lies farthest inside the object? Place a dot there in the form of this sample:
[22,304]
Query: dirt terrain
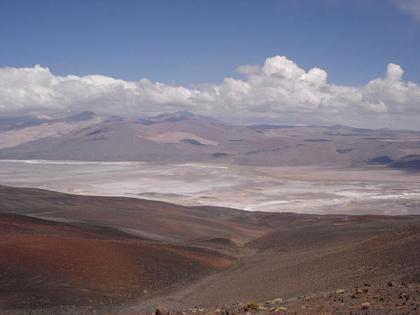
[45,263]
[70,254]
[144,218]
[302,267]
[388,298]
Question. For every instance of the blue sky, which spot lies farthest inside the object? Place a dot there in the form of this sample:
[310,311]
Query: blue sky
[194,41]
[354,62]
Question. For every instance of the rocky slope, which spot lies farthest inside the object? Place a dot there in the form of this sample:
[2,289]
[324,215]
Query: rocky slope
[388,298]
[62,253]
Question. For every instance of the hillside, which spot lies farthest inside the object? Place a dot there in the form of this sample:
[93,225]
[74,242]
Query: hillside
[82,253]
[45,263]
[368,254]
[144,218]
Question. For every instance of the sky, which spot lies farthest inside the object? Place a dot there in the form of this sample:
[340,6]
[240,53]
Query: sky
[280,61]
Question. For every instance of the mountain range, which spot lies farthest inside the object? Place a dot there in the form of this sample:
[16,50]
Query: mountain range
[183,137]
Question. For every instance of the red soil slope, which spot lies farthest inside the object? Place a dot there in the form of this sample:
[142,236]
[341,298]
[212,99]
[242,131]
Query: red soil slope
[47,263]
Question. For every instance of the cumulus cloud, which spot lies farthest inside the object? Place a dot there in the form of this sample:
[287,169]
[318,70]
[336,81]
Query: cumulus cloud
[409,6]
[37,89]
[276,90]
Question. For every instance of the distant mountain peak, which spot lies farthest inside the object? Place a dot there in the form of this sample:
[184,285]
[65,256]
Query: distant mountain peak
[82,116]
[176,117]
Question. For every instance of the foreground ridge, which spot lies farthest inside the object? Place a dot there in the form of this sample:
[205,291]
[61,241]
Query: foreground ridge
[390,298]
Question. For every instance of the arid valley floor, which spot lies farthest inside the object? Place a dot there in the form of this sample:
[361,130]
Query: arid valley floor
[311,189]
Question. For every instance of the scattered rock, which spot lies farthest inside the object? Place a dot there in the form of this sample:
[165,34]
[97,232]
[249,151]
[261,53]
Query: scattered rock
[365,305]
[277,301]
[251,306]
[370,299]
[281,309]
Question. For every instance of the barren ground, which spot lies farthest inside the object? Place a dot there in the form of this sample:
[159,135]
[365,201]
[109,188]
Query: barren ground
[321,190]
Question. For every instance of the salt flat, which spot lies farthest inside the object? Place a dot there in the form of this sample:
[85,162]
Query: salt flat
[321,190]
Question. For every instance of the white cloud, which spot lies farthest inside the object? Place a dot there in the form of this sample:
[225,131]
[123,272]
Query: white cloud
[409,6]
[277,90]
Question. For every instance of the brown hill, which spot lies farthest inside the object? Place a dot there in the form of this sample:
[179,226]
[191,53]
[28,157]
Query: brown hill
[373,252]
[44,263]
[145,218]
[60,251]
